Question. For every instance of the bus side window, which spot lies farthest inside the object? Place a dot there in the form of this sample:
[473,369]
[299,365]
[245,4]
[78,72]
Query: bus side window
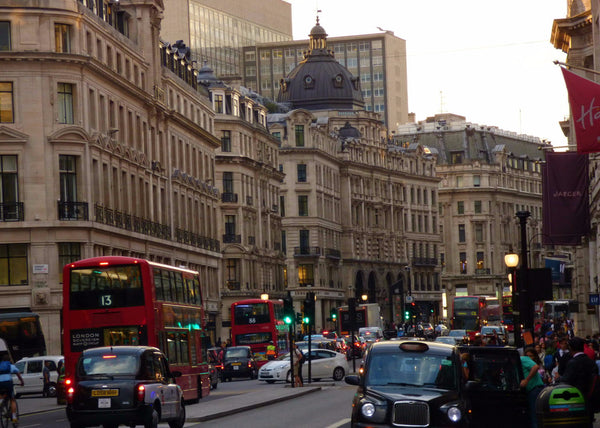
[158,285]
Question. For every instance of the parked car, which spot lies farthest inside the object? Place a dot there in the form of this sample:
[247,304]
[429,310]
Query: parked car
[239,362]
[128,385]
[33,379]
[324,364]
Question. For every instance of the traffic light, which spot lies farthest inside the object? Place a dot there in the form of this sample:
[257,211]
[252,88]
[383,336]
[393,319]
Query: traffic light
[288,309]
[333,314]
[298,318]
[407,315]
[309,308]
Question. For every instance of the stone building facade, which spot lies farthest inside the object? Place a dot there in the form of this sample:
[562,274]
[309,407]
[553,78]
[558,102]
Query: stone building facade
[360,213]
[577,35]
[107,147]
[248,177]
[487,175]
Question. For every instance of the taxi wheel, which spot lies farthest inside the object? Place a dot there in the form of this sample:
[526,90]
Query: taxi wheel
[152,422]
[180,422]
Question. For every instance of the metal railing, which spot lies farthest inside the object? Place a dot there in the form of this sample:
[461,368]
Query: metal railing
[12,211]
[307,251]
[73,211]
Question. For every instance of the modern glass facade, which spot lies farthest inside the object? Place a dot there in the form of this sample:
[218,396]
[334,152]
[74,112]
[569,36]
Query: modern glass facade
[217,36]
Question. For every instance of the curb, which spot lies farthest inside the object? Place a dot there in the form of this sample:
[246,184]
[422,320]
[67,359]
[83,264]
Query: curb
[301,392]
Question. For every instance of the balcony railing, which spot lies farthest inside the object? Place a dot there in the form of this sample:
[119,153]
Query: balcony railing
[307,251]
[12,211]
[73,211]
[424,261]
[232,239]
[196,240]
[129,222]
[332,253]
[229,197]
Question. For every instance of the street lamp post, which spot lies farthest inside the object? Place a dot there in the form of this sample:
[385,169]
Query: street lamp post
[512,261]
[524,295]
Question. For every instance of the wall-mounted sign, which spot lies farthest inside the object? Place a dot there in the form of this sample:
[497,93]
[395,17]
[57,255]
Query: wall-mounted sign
[40,268]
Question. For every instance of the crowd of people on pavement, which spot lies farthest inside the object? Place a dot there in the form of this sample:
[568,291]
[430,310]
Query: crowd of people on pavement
[557,356]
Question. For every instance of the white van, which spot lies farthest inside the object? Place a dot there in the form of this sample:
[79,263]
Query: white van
[31,372]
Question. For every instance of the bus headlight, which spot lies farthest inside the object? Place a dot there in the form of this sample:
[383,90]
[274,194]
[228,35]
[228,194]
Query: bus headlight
[454,414]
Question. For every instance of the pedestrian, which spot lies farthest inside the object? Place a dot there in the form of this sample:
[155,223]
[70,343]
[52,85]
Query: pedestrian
[271,351]
[46,378]
[562,356]
[298,356]
[580,371]
[532,383]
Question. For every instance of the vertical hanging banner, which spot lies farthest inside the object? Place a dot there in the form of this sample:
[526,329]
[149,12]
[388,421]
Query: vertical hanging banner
[565,202]
[584,98]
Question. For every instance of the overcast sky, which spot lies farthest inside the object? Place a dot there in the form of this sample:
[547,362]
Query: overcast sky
[491,61]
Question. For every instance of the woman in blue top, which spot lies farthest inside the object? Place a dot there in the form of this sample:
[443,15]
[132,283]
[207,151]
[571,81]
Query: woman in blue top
[6,383]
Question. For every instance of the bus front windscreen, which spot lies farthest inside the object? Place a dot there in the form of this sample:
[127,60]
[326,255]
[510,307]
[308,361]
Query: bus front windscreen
[248,314]
[101,287]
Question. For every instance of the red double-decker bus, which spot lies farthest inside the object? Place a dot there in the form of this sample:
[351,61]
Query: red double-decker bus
[468,313]
[130,301]
[256,322]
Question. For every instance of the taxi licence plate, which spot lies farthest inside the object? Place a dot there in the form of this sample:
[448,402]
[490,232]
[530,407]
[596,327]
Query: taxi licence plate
[105,392]
[104,403]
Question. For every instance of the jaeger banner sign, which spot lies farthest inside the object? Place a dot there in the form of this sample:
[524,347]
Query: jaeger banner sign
[565,203]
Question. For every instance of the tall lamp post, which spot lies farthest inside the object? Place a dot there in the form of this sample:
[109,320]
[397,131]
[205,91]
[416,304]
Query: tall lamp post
[512,261]
[524,292]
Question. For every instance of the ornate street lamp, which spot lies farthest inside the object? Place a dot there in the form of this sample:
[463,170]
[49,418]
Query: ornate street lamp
[512,261]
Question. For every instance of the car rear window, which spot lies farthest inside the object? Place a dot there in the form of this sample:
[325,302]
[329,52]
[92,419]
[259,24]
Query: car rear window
[109,364]
[495,372]
[412,369]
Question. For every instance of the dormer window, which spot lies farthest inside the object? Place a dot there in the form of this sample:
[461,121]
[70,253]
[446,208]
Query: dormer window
[309,82]
[338,81]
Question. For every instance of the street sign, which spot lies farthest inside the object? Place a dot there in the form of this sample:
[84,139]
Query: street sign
[594,299]
[409,299]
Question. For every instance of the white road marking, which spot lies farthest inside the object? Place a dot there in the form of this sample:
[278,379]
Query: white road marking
[339,423]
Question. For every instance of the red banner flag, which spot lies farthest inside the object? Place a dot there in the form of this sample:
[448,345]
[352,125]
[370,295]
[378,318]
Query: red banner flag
[584,97]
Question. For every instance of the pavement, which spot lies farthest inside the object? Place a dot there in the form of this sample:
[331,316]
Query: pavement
[200,412]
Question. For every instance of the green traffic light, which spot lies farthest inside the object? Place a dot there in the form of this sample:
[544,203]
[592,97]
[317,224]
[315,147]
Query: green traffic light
[287,319]
[305,320]
[334,317]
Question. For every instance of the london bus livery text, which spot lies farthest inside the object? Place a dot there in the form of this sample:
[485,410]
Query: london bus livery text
[129,301]
[256,322]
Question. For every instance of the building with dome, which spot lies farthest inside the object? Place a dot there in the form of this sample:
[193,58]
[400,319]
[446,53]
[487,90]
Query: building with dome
[359,214]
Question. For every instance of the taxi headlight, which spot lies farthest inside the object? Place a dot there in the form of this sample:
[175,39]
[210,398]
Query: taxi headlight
[367,410]
[454,414]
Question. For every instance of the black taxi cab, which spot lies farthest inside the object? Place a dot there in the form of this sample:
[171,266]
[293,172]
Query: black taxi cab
[423,384]
[129,385]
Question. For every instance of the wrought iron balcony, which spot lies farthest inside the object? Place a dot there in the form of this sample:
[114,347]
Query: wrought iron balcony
[12,211]
[307,251]
[73,211]
[332,253]
[232,239]
[229,197]
[424,261]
